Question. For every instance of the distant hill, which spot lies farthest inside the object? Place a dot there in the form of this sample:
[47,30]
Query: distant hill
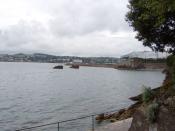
[40,57]
[145,54]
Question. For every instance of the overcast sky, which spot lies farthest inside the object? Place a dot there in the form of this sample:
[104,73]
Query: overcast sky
[67,27]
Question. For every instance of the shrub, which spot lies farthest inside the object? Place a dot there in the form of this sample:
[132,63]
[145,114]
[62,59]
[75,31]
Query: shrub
[147,94]
[170,60]
[171,67]
[152,112]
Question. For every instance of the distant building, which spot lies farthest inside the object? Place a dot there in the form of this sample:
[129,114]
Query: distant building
[146,55]
[77,61]
[124,61]
[133,63]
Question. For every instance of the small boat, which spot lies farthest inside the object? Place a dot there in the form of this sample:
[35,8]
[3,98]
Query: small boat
[58,67]
[75,66]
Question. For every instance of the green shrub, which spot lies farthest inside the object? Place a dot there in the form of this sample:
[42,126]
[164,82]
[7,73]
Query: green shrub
[152,112]
[171,67]
[170,60]
[147,94]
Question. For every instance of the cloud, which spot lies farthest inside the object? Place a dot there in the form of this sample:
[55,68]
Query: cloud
[24,35]
[88,16]
[67,27]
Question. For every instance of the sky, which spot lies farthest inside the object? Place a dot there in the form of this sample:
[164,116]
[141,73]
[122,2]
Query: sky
[67,27]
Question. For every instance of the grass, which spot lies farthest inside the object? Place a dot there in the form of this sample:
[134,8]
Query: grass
[152,112]
[147,94]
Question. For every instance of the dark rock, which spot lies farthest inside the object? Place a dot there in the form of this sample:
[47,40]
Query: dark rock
[139,97]
[136,98]
[113,120]
[134,106]
[58,67]
[121,111]
[75,66]
[100,117]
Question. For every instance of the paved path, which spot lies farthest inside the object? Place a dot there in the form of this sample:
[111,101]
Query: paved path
[123,125]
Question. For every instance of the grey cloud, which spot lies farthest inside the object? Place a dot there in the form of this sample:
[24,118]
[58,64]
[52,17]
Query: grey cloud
[22,35]
[74,27]
[25,37]
[83,17]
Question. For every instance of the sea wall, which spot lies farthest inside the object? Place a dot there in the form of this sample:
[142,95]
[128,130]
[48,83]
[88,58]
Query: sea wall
[155,65]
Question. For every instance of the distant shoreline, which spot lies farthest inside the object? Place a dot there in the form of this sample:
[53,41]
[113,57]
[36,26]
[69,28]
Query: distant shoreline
[95,65]
[115,66]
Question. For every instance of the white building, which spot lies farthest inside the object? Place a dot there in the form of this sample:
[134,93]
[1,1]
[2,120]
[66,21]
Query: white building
[77,61]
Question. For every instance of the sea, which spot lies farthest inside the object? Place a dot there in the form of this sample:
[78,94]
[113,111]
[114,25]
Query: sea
[33,94]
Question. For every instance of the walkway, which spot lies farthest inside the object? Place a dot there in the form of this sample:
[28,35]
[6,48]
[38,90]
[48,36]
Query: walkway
[123,125]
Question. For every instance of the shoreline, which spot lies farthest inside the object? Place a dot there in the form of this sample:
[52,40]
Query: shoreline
[125,113]
[95,65]
[115,66]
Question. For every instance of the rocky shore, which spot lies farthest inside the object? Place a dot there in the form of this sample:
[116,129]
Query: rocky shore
[125,113]
[154,110]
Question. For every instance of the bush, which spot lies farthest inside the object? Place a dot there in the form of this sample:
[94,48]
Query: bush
[170,60]
[171,67]
[147,94]
[152,112]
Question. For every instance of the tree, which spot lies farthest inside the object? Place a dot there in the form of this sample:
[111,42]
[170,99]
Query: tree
[154,22]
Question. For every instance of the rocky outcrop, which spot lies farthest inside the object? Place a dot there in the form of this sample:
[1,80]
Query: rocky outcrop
[157,114]
[74,66]
[139,122]
[164,121]
[58,67]
[122,114]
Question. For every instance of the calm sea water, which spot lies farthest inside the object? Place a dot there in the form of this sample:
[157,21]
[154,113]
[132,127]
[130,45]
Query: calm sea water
[33,93]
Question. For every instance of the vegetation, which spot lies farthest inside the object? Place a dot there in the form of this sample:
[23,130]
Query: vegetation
[152,112]
[171,67]
[154,21]
[147,94]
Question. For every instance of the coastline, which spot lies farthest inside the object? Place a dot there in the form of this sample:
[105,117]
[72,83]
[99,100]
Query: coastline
[95,65]
[116,66]
[125,113]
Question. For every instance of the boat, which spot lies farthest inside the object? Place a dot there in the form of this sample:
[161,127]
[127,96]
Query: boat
[58,67]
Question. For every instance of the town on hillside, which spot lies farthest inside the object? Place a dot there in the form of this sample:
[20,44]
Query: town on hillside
[134,60]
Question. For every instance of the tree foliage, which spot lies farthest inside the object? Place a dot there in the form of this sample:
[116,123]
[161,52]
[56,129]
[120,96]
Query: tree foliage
[154,21]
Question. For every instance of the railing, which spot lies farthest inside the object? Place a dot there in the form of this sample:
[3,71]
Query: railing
[64,121]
